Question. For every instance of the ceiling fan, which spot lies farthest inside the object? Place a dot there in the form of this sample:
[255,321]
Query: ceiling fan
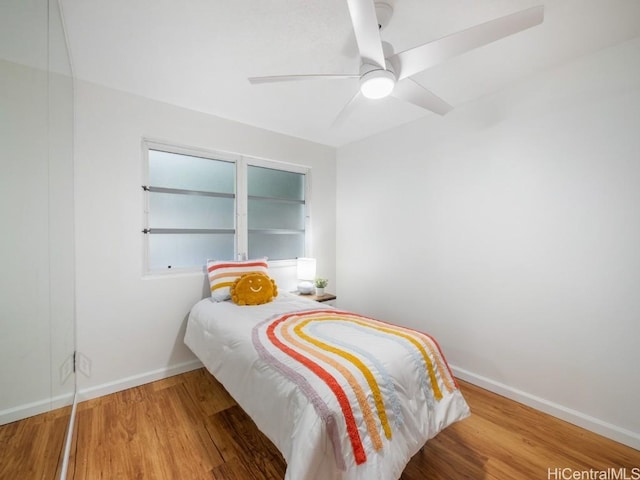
[383,72]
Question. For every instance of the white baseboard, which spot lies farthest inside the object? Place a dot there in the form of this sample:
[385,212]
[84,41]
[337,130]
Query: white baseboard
[42,406]
[136,380]
[35,408]
[575,417]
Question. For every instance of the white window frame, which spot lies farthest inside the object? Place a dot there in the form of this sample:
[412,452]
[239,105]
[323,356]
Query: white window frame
[242,163]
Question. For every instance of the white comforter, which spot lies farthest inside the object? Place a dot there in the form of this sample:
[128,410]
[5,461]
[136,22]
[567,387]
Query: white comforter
[220,334]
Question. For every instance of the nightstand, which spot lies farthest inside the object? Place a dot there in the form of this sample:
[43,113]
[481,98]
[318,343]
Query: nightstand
[327,297]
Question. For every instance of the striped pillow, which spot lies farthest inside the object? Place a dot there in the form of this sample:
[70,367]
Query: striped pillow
[223,273]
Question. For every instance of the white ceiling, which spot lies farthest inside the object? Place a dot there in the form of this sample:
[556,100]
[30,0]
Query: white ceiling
[199,53]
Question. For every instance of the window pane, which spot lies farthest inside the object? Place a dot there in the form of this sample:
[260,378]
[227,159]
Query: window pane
[173,170]
[270,214]
[267,182]
[276,246]
[188,250]
[169,210]
[282,207]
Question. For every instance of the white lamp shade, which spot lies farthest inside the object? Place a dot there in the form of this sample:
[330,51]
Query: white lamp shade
[306,275]
[306,268]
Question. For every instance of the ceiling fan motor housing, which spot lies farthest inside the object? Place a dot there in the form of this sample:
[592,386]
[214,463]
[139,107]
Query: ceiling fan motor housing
[384,12]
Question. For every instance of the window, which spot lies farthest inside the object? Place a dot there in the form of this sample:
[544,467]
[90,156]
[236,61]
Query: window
[202,205]
[276,213]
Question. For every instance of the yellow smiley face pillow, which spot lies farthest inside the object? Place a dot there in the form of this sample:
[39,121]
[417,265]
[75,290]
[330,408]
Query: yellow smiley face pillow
[253,289]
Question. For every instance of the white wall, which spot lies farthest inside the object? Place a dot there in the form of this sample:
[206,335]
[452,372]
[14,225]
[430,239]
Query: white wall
[132,327]
[510,229]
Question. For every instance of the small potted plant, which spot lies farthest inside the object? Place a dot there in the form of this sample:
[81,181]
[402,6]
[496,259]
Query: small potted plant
[320,284]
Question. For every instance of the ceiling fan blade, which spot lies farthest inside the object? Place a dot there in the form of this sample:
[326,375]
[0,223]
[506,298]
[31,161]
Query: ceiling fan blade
[295,78]
[411,92]
[420,58]
[348,109]
[365,26]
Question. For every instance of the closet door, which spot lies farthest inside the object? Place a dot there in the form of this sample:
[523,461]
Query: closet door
[37,326]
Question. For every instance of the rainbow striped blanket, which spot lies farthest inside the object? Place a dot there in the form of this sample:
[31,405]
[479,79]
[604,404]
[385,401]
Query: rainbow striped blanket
[371,383]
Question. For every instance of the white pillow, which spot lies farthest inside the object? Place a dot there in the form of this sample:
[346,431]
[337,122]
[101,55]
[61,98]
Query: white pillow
[223,273]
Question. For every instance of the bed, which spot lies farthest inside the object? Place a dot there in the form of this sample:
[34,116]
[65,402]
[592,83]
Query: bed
[342,396]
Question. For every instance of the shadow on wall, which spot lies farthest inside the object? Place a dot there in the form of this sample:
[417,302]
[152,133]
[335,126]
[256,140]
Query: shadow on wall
[177,356]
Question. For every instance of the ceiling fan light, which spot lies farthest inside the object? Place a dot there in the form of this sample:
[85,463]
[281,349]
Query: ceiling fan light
[377,84]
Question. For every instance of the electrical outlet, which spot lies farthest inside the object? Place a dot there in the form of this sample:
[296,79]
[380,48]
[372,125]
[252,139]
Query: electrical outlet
[66,369]
[83,364]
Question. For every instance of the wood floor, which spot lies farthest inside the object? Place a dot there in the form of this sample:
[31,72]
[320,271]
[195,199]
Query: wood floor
[188,427]
[32,448]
